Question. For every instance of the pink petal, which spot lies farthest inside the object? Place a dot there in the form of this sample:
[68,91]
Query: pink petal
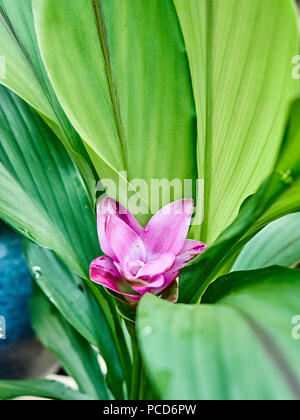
[189,250]
[157,266]
[169,277]
[168,228]
[159,282]
[156,287]
[104,272]
[108,206]
[133,267]
[124,241]
[104,244]
[151,287]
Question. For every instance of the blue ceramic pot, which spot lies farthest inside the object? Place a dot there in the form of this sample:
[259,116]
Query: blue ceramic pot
[21,355]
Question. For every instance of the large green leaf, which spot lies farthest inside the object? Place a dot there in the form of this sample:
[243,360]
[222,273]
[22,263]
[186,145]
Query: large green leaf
[277,244]
[75,353]
[238,345]
[75,302]
[44,198]
[64,289]
[39,388]
[42,192]
[27,76]
[278,195]
[240,55]
[123,80]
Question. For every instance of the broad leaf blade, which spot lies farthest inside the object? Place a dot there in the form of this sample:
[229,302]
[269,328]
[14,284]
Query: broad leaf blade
[44,197]
[64,289]
[39,388]
[44,175]
[26,74]
[76,303]
[277,244]
[240,55]
[238,345]
[277,196]
[124,83]
[75,353]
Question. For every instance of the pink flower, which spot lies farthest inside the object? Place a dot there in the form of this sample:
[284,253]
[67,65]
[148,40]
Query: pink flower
[140,260]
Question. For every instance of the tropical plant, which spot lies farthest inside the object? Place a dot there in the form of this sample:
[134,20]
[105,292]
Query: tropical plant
[156,90]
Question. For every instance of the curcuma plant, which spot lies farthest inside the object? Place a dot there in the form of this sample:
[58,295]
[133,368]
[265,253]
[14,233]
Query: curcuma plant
[145,93]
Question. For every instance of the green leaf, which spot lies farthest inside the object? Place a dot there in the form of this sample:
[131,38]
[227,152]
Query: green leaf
[278,195]
[44,198]
[277,244]
[39,388]
[240,56]
[27,76]
[238,345]
[124,83]
[75,353]
[78,306]
[64,289]
[42,193]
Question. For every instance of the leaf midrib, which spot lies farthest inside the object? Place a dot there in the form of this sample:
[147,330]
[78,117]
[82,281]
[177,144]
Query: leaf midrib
[101,31]
[272,349]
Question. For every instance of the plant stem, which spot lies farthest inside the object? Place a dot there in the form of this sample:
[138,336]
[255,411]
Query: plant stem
[137,372]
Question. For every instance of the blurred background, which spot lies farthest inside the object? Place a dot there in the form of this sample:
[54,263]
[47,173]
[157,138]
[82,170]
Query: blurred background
[21,355]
